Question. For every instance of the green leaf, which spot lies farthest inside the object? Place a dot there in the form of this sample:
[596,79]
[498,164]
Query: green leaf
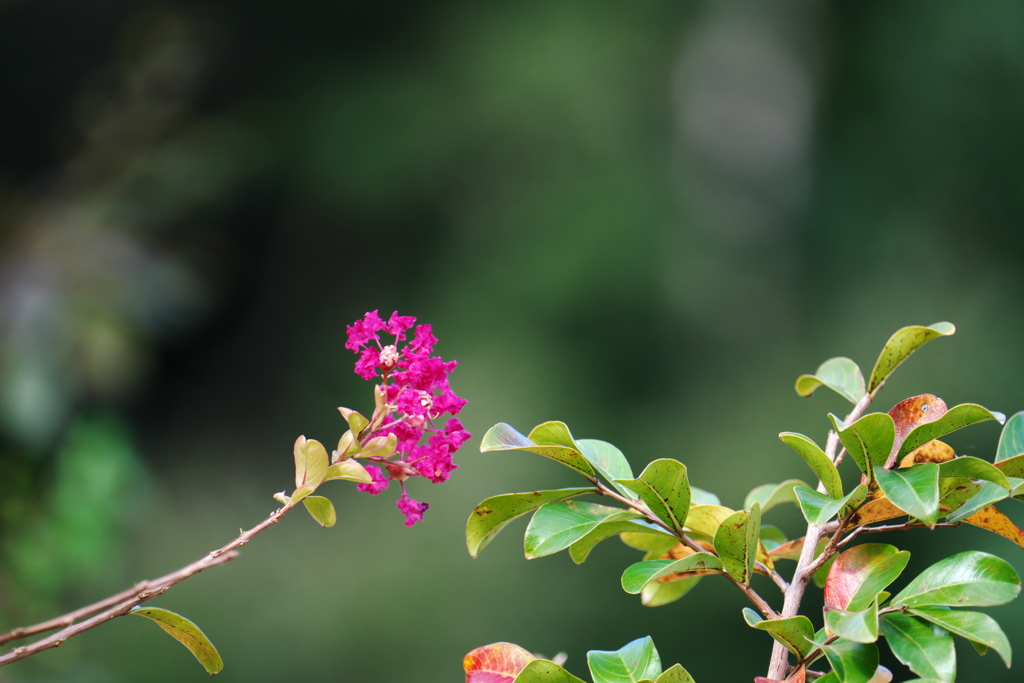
[556,444]
[771,536]
[975,626]
[924,649]
[301,492]
[903,343]
[609,462]
[818,508]
[1011,440]
[770,495]
[817,460]
[915,490]
[491,516]
[859,574]
[860,627]
[699,496]
[186,633]
[675,674]
[580,550]
[987,494]
[651,543]
[544,671]
[350,470]
[1012,467]
[639,574]
[793,632]
[869,440]
[736,543]
[634,662]
[321,510]
[955,491]
[665,489]
[751,617]
[356,422]
[310,462]
[656,594]
[974,468]
[841,375]
[851,662]
[379,447]
[955,418]
[556,526]
[967,579]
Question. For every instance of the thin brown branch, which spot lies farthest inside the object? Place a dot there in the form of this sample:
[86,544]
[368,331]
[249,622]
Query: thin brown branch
[751,594]
[892,527]
[123,602]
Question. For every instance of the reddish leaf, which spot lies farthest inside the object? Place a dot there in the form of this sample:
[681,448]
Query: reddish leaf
[798,676]
[495,663]
[911,413]
[858,574]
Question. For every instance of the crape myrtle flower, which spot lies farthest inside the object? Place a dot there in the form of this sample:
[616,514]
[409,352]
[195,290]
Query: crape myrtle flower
[414,397]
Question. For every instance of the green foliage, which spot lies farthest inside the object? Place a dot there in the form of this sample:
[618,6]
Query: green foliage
[906,475]
[186,633]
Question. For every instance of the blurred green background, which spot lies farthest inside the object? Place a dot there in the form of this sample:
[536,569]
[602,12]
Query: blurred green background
[644,219]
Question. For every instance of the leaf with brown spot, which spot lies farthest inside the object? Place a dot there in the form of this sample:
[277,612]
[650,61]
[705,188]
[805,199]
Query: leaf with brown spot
[993,519]
[954,492]
[495,663]
[934,451]
[911,413]
[877,510]
[491,515]
[903,343]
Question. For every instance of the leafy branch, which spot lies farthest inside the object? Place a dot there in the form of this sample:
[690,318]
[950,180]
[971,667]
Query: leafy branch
[686,534]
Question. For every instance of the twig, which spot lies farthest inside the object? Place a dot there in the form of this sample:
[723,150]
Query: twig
[892,527]
[802,574]
[123,602]
[751,594]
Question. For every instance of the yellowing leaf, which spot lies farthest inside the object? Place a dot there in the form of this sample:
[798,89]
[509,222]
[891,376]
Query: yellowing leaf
[934,451]
[310,462]
[993,519]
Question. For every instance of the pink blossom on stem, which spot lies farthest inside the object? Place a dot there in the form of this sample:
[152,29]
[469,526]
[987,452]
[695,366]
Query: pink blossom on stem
[417,396]
[379,483]
[412,509]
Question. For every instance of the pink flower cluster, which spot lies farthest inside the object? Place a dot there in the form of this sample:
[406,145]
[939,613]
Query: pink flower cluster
[417,395]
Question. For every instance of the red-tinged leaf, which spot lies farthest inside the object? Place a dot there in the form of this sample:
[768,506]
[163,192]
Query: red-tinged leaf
[495,663]
[858,575]
[901,344]
[798,676]
[911,413]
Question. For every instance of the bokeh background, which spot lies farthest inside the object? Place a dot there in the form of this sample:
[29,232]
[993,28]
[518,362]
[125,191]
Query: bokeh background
[645,219]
